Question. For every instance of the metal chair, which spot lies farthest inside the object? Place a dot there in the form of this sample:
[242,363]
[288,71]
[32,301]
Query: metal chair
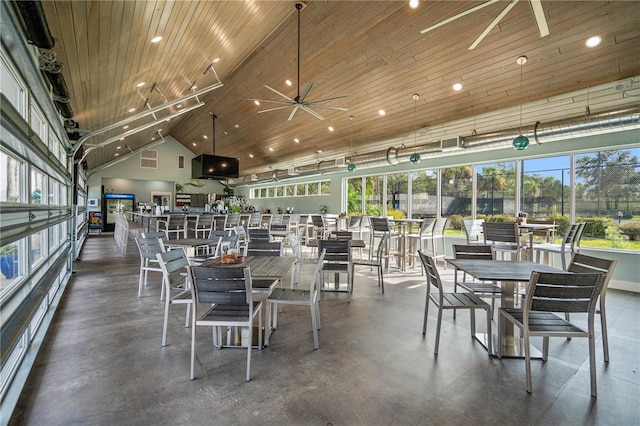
[381,226]
[482,289]
[204,225]
[229,293]
[264,248]
[555,292]
[444,301]
[337,260]
[504,237]
[377,262]
[581,263]
[289,296]
[220,222]
[148,248]
[174,271]
[176,224]
[256,234]
[473,231]
[569,245]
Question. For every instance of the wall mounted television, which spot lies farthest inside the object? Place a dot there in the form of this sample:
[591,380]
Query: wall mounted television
[207,166]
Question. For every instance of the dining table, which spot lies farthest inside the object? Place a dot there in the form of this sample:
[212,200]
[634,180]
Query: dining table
[507,274]
[528,228]
[405,227]
[190,244]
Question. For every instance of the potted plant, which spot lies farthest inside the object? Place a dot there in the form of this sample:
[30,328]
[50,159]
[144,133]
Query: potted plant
[323,209]
[9,260]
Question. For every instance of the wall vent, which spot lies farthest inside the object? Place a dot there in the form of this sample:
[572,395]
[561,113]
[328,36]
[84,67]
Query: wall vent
[451,143]
[340,162]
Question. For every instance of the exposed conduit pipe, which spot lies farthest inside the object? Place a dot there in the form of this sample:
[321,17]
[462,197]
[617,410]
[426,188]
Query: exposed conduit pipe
[608,121]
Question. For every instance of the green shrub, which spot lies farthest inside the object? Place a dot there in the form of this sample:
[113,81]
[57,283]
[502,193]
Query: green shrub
[562,223]
[455,222]
[396,214]
[596,226]
[632,230]
[501,218]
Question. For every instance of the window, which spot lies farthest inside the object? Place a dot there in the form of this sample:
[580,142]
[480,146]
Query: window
[12,89]
[496,183]
[354,196]
[10,187]
[149,159]
[301,189]
[545,187]
[38,245]
[290,190]
[397,197]
[38,186]
[424,193]
[325,187]
[39,124]
[312,188]
[456,191]
[279,191]
[373,195]
[10,265]
[181,161]
[54,192]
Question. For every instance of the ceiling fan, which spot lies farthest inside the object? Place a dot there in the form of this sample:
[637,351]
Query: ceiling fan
[536,7]
[299,101]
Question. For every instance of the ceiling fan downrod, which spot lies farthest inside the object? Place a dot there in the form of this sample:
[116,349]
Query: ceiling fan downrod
[299,7]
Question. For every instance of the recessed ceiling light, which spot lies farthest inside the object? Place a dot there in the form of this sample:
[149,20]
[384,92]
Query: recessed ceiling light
[225,132]
[593,41]
[121,139]
[288,82]
[156,39]
[296,140]
[126,127]
[216,60]
[257,102]
[237,126]
[179,105]
[457,87]
[382,112]
[270,149]
[194,144]
[414,3]
[116,154]
[250,155]
[140,84]
[131,109]
[118,147]
[205,136]
[331,129]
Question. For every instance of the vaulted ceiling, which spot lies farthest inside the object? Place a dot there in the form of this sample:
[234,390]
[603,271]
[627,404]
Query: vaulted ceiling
[372,51]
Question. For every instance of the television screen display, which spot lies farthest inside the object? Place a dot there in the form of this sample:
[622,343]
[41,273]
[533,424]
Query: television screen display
[214,167]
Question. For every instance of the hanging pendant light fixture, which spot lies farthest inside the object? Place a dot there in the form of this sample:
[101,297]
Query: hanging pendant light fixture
[351,167]
[521,142]
[415,157]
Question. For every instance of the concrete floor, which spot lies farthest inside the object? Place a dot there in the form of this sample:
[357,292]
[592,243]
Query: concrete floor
[102,363]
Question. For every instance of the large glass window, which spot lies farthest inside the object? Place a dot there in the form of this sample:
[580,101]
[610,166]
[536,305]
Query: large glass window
[496,185]
[38,187]
[397,195]
[354,196]
[10,186]
[457,191]
[424,193]
[10,265]
[12,88]
[373,196]
[545,190]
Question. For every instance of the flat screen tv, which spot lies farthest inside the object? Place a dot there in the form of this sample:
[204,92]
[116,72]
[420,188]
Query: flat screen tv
[214,167]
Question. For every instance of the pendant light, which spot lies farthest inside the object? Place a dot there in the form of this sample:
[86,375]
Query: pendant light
[415,157]
[351,167]
[521,142]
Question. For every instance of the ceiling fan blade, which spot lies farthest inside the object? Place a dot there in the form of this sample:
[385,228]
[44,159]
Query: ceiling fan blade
[305,92]
[538,13]
[327,107]
[493,24]
[459,15]
[273,109]
[312,112]
[325,99]
[293,112]
[277,92]
[270,101]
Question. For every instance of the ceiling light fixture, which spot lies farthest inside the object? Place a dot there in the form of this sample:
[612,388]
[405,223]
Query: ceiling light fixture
[351,167]
[156,39]
[415,157]
[296,140]
[521,142]
[288,82]
[140,84]
[413,4]
[331,129]
[593,41]
[382,112]
[457,87]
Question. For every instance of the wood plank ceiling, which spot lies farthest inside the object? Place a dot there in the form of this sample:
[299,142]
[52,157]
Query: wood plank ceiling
[372,51]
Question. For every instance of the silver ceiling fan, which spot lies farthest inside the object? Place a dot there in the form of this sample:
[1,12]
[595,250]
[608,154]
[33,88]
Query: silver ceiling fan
[536,7]
[299,101]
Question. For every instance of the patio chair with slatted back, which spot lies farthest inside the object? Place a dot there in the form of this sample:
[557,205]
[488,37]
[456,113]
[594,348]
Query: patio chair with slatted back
[381,226]
[228,244]
[259,234]
[303,223]
[203,225]
[148,249]
[337,261]
[319,226]
[473,231]
[546,295]
[228,292]
[264,248]
[581,263]
[568,245]
[377,262]
[174,271]
[176,225]
[289,296]
[445,301]
[504,237]
[220,222]
[241,233]
[233,220]
[480,288]
[265,221]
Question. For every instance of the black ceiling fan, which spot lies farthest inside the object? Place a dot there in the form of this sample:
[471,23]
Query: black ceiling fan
[300,102]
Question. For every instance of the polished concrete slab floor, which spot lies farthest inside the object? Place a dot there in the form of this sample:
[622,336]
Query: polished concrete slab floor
[102,362]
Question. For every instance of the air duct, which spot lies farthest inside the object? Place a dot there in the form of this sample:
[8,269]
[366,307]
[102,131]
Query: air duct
[36,25]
